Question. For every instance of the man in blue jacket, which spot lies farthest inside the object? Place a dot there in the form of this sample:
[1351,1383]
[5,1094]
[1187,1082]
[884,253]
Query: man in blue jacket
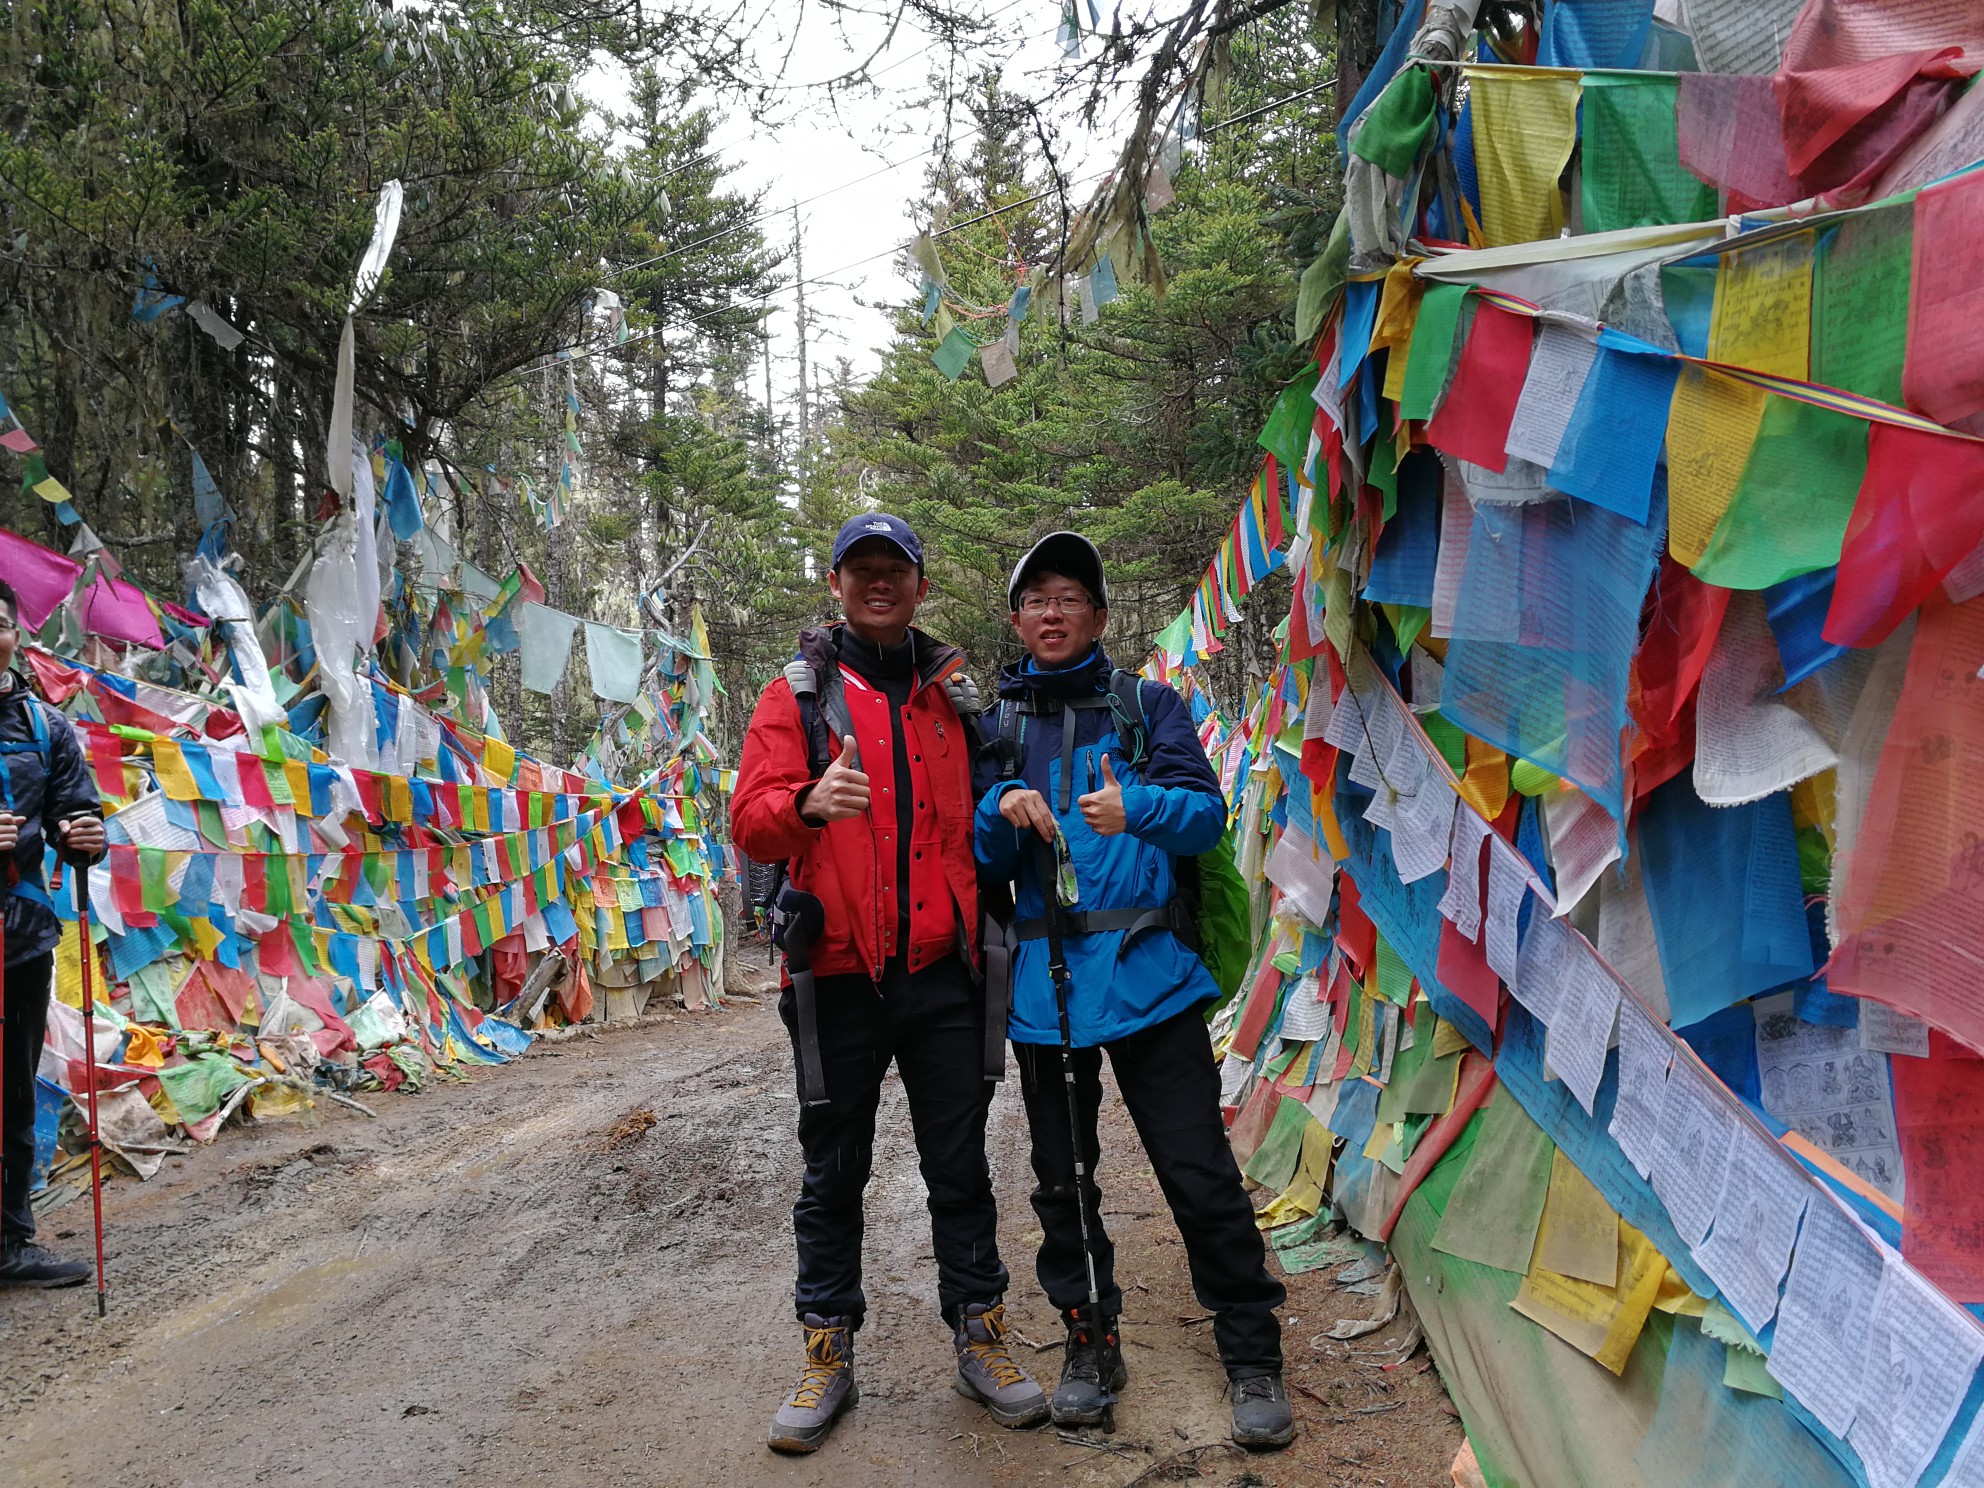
[1116,790]
[46,797]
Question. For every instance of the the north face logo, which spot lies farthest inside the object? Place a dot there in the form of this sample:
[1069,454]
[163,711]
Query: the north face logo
[878,527]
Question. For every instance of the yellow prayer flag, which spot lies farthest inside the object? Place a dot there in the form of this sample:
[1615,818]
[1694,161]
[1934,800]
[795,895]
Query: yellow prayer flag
[1525,124]
[1602,1321]
[1762,314]
[1485,786]
[206,939]
[398,799]
[1761,319]
[500,760]
[298,773]
[173,776]
[1398,313]
[1710,428]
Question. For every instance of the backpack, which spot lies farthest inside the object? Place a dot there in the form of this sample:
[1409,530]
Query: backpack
[1213,893]
[38,725]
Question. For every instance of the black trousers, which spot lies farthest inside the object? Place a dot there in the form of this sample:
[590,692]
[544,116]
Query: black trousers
[1171,1085]
[26,1021]
[930,1024]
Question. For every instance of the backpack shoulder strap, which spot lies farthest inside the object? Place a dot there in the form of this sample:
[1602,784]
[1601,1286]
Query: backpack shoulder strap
[38,726]
[1126,701]
[822,707]
[1008,740]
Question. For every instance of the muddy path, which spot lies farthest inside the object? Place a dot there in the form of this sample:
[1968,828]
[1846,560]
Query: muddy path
[577,1269]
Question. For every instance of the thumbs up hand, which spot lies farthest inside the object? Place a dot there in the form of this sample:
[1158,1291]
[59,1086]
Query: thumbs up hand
[1103,809]
[840,792]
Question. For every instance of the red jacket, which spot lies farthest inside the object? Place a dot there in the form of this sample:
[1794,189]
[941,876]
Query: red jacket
[850,865]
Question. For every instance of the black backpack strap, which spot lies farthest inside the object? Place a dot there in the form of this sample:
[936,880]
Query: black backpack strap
[823,711]
[1007,740]
[1126,701]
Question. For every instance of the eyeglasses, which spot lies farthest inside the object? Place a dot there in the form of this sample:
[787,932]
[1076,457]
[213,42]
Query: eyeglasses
[1062,604]
[9,624]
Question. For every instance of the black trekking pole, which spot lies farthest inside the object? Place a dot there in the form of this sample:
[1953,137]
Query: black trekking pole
[1057,968]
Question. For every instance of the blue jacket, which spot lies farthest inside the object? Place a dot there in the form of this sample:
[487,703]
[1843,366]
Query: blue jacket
[46,781]
[1174,807]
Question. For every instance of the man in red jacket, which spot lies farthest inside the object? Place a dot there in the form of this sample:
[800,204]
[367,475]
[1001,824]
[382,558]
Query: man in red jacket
[856,772]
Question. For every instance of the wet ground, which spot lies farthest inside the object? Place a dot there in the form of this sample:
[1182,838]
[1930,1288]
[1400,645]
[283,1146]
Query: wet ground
[576,1270]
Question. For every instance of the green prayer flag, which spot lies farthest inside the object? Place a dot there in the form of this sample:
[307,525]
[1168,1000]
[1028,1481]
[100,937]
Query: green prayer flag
[1398,124]
[1407,621]
[1497,1203]
[1860,283]
[1448,739]
[1633,176]
[1322,280]
[276,876]
[1383,471]
[153,878]
[953,354]
[1394,976]
[1422,1083]
[1432,349]
[1176,638]
[202,1085]
[1273,1162]
[1793,499]
[1286,436]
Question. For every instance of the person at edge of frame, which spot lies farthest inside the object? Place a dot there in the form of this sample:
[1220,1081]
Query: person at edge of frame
[878,847]
[1140,994]
[46,780]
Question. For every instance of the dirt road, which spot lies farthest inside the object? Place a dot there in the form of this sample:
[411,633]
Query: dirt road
[519,1279]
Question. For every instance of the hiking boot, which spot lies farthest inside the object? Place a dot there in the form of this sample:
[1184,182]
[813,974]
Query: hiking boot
[987,1372]
[25,1264]
[1091,1371]
[1261,1417]
[826,1387]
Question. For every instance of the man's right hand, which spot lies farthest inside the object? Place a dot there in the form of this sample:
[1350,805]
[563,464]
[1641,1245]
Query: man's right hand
[10,831]
[1028,808]
[840,792]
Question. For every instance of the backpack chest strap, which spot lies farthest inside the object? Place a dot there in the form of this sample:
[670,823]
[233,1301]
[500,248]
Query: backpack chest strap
[1170,916]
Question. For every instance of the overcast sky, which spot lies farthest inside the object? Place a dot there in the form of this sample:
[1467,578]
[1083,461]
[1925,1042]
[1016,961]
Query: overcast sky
[822,144]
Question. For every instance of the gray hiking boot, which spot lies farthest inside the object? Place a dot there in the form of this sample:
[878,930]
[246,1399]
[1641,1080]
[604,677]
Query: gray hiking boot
[1261,1417]
[987,1372]
[826,1387]
[25,1264]
[1091,1370]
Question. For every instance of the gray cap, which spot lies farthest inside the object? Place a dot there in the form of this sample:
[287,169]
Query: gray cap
[1066,553]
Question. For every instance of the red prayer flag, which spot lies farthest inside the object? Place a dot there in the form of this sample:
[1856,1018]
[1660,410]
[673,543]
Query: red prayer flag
[1464,971]
[1942,373]
[276,953]
[58,683]
[255,784]
[1271,487]
[1916,518]
[1473,419]
[1939,1116]
[1354,932]
[1261,1000]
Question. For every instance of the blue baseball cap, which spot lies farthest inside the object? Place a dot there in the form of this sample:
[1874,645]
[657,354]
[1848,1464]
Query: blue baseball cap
[882,525]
